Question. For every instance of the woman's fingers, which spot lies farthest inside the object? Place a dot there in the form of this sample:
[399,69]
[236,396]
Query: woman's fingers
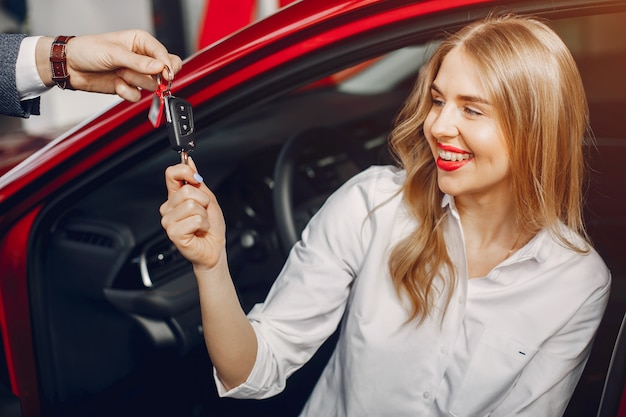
[176,176]
[185,220]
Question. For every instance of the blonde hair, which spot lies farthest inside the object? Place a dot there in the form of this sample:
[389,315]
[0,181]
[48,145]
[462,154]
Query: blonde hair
[535,87]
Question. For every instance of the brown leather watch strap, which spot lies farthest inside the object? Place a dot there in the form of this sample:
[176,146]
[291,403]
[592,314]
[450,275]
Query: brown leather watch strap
[58,62]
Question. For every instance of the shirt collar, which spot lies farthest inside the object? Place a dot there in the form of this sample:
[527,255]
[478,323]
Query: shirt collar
[538,248]
[448,201]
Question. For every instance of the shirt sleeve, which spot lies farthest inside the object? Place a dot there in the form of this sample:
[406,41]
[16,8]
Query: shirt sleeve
[308,299]
[548,381]
[11,103]
[27,80]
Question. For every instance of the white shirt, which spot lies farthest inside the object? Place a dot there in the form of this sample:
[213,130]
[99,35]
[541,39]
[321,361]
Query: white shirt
[512,343]
[28,82]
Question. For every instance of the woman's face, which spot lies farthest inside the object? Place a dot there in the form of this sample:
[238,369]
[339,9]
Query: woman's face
[464,135]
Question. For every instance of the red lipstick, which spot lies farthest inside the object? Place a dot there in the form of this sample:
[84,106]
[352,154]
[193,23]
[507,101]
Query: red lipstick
[452,165]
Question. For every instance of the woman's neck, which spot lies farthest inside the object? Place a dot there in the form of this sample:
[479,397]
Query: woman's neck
[491,233]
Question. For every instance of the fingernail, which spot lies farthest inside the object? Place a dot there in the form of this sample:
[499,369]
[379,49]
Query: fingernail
[198,177]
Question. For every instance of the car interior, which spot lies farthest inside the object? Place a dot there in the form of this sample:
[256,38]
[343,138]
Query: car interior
[115,308]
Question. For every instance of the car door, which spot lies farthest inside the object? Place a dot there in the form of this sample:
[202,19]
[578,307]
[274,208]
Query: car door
[101,315]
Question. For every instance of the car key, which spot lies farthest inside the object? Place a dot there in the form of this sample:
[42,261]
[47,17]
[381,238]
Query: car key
[180,127]
[178,117]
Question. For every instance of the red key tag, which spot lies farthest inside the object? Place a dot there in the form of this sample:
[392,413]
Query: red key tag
[155,114]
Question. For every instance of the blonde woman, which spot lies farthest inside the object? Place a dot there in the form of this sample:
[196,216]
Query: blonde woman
[462,279]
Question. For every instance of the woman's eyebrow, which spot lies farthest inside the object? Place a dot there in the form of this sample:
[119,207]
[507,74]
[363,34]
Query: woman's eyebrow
[468,98]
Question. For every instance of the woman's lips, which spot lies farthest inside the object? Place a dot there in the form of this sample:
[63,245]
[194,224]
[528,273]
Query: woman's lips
[451,158]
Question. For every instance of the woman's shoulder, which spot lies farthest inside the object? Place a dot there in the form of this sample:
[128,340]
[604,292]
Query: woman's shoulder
[574,256]
[376,183]
[380,173]
[374,191]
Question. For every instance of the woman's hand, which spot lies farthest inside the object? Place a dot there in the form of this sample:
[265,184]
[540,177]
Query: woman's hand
[192,218]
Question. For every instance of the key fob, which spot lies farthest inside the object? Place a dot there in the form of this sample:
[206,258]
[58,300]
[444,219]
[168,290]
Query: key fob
[179,120]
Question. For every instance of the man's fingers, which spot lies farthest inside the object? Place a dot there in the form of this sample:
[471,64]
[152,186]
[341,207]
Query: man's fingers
[174,63]
[118,56]
[135,79]
[145,44]
[126,91]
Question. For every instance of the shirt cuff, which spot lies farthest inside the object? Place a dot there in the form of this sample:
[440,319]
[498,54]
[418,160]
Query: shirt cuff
[27,80]
[252,387]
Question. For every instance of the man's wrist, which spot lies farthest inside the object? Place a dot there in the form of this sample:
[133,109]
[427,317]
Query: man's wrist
[42,56]
[58,62]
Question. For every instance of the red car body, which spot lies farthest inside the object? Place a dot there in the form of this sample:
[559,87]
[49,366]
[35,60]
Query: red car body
[213,75]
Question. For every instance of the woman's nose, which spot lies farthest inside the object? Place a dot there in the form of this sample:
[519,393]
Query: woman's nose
[445,122]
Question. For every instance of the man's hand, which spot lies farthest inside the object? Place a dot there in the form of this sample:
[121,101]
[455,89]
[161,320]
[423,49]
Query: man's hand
[119,63]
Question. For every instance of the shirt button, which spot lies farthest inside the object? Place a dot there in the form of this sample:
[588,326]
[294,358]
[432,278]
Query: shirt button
[495,274]
[426,395]
[444,349]
[461,300]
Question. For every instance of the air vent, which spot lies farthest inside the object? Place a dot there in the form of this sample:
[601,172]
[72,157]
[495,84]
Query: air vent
[160,262]
[89,238]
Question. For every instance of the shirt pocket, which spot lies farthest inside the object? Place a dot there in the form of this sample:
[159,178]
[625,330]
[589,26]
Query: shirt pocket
[495,367]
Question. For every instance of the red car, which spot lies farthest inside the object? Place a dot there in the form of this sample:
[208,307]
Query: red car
[99,314]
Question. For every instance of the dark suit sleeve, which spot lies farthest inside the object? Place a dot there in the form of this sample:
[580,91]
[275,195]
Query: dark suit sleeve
[10,103]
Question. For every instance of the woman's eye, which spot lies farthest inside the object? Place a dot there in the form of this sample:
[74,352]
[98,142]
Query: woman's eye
[437,102]
[472,112]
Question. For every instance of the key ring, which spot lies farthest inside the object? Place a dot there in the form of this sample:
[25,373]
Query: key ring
[155,114]
[162,88]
